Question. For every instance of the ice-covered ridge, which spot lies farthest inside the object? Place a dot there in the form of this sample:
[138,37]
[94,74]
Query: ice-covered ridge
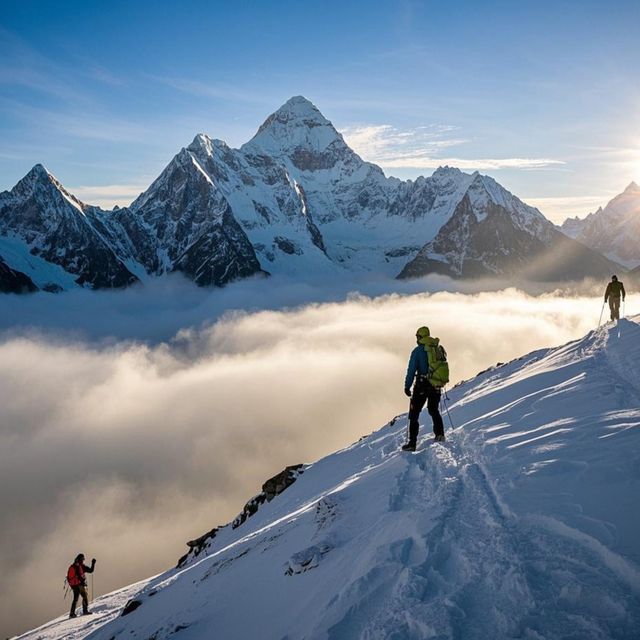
[524,524]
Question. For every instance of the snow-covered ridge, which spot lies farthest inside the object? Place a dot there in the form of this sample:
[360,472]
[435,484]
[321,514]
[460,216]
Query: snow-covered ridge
[522,525]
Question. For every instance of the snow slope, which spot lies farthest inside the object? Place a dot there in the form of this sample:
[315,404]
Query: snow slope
[524,524]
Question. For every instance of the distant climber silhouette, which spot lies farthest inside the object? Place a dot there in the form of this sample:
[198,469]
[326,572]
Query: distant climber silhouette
[615,289]
[78,583]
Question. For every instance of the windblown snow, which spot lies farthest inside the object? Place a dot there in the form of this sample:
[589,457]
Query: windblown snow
[524,524]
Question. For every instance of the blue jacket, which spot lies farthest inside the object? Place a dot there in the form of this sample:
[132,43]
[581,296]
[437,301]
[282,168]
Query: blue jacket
[418,363]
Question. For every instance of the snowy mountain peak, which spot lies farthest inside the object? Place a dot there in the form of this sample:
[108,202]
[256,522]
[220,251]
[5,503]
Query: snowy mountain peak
[37,175]
[202,143]
[297,111]
[447,171]
[297,126]
[41,181]
[38,171]
[632,188]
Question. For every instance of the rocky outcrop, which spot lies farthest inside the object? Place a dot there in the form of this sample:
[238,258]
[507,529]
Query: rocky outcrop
[270,489]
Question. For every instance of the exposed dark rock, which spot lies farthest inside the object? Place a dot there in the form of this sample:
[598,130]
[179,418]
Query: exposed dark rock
[307,160]
[270,489]
[12,281]
[287,246]
[130,607]
[276,485]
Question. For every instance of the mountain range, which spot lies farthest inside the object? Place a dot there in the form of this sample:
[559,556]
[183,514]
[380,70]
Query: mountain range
[523,524]
[613,231]
[296,200]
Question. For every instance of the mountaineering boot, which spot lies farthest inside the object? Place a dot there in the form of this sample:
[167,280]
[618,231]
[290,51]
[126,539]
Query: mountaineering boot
[409,446]
[440,438]
[72,615]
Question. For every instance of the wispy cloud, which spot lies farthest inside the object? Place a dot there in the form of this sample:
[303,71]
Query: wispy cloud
[473,164]
[89,124]
[108,196]
[386,144]
[217,90]
[558,209]
[421,148]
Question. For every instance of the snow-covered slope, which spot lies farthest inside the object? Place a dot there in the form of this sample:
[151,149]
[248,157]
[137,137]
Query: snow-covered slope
[294,200]
[524,524]
[613,231]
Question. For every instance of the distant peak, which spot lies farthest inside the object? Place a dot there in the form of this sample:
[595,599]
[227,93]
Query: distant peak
[38,175]
[39,178]
[297,112]
[632,188]
[202,142]
[200,139]
[447,169]
[39,171]
[301,105]
[297,125]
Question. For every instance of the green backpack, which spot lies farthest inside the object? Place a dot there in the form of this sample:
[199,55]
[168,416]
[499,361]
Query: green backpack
[438,365]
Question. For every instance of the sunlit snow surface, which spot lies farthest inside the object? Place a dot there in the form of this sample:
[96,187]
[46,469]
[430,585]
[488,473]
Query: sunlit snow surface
[524,524]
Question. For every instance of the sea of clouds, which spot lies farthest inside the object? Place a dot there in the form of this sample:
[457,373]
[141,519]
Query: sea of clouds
[131,422]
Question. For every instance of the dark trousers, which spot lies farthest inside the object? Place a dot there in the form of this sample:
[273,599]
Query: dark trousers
[424,392]
[614,307]
[79,591]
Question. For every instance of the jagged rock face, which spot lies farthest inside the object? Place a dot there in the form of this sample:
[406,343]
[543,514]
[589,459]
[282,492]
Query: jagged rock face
[613,231]
[12,281]
[467,247]
[52,225]
[193,227]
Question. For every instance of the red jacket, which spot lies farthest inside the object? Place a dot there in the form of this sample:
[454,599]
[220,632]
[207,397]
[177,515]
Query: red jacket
[75,574]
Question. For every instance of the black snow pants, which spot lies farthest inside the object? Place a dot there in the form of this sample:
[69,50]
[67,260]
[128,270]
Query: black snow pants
[80,592]
[424,392]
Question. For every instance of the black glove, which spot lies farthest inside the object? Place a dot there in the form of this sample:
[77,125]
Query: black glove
[407,392]
[93,562]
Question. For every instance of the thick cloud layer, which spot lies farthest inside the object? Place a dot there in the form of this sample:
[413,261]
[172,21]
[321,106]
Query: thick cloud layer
[124,450]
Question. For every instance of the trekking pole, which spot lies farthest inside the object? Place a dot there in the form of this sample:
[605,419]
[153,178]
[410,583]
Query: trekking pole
[601,312]
[444,398]
[92,587]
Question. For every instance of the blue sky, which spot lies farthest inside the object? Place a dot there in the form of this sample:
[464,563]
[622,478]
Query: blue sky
[544,96]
